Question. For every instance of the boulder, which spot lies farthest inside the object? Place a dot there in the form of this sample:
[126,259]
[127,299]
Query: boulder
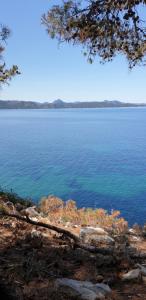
[68,224]
[132,275]
[135,238]
[142,269]
[93,230]
[135,235]
[31,212]
[131,231]
[84,289]
[95,235]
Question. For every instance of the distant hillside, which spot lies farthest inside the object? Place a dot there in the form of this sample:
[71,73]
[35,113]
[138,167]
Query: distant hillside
[14,104]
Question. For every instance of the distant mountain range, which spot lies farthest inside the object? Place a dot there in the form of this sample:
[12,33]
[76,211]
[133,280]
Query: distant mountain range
[14,104]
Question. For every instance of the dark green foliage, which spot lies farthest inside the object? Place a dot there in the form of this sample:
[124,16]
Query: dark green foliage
[5,73]
[14,198]
[103,27]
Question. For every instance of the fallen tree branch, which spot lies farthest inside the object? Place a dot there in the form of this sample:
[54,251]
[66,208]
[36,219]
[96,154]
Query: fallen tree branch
[77,241]
[41,224]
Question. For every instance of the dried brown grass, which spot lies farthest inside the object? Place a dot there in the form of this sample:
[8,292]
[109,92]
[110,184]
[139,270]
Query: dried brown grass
[56,210]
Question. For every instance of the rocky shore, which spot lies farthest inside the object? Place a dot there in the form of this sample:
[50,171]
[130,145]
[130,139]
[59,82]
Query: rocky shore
[102,262]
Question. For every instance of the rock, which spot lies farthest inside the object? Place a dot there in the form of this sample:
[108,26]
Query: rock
[142,269]
[132,275]
[103,239]
[30,212]
[95,235]
[67,224]
[84,289]
[135,235]
[36,234]
[135,238]
[105,289]
[131,231]
[13,224]
[93,230]
[36,219]
[40,234]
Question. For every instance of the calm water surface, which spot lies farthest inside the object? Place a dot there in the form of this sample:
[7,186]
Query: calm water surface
[94,156]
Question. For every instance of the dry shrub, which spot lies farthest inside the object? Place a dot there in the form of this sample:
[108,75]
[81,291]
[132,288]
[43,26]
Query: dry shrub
[2,209]
[62,212]
[6,207]
[50,204]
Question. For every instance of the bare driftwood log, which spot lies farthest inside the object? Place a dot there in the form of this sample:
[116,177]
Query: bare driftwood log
[77,242]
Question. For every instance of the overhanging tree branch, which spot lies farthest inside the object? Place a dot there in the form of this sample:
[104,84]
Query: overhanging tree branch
[5,73]
[104,28]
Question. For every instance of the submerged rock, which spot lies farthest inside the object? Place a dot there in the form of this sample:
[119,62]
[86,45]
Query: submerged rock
[86,290]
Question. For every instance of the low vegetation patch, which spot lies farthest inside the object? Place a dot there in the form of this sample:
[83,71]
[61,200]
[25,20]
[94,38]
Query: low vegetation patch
[61,212]
[57,210]
[12,197]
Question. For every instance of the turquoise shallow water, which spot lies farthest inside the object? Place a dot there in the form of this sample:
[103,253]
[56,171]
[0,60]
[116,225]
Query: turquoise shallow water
[94,156]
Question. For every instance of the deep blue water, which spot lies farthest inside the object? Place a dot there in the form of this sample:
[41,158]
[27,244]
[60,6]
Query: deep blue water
[94,156]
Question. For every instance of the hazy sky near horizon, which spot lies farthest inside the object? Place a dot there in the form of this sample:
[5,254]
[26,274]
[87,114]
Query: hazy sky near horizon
[49,71]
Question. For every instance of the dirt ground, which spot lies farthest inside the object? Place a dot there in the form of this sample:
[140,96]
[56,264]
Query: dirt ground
[29,266]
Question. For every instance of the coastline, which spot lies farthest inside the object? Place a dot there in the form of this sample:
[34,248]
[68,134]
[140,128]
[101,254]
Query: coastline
[59,104]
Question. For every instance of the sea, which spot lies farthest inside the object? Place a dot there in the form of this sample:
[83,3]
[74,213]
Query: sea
[96,157]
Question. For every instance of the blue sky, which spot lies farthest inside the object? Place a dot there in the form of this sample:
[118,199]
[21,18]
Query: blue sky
[49,71]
